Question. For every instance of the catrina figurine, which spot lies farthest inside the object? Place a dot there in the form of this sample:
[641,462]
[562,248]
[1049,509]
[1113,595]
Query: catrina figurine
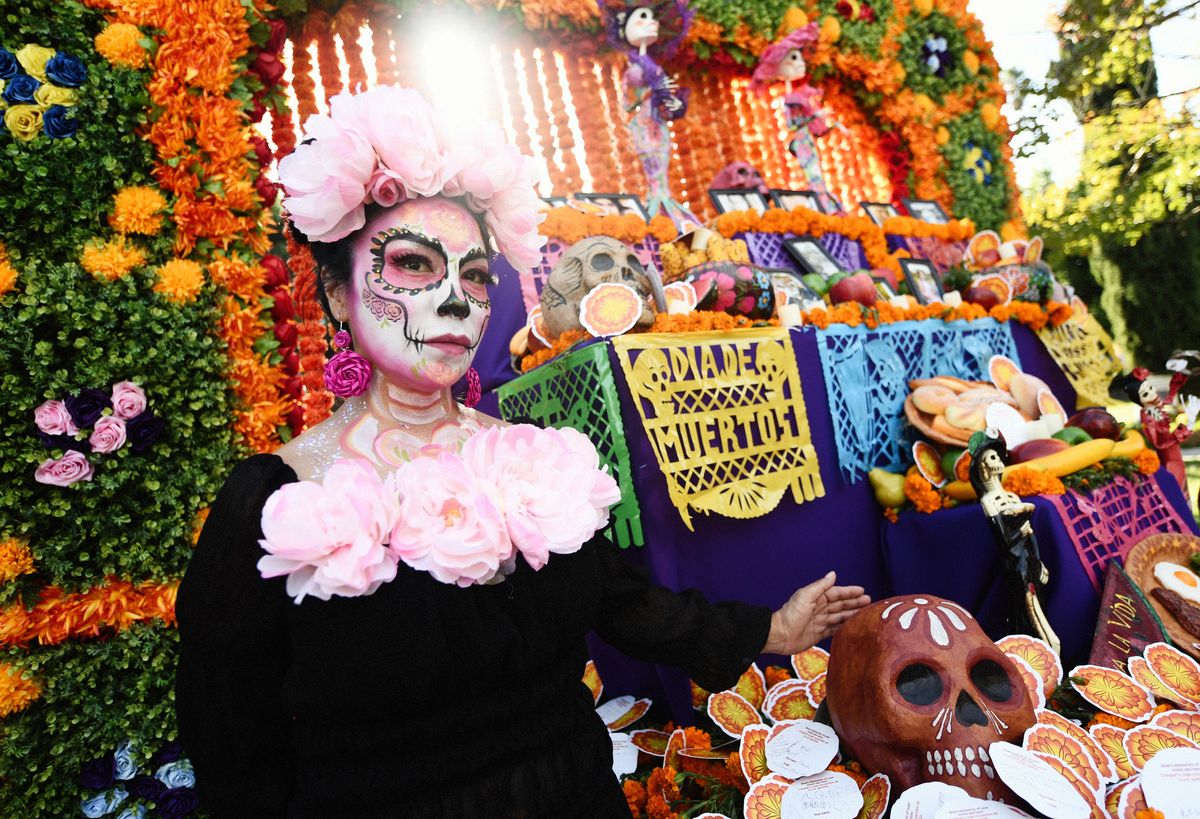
[1157,414]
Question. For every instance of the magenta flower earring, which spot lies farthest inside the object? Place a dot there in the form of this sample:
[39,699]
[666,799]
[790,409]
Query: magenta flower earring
[347,373]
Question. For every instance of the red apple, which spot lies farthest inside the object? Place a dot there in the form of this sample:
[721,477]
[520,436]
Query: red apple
[1096,422]
[860,288]
[985,297]
[888,276]
[1039,448]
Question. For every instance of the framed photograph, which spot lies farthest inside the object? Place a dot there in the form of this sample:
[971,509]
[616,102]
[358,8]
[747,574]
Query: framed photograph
[883,288]
[927,211]
[834,205]
[812,256]
[790,200]
[791,289]
[879,211]
[555,201]
[923,280]
[616,204]
[728,200]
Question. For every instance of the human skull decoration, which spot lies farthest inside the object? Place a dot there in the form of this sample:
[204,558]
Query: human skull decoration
[917,691]
[585,264]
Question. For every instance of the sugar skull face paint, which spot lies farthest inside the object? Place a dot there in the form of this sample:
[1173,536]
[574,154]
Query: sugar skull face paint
[419,301]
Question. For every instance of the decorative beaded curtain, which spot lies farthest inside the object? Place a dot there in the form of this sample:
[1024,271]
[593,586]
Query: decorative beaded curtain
[567,108]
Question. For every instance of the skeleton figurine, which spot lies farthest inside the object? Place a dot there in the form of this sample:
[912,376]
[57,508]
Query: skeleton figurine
[1008,518]
[1157,415]
[917,691]
[584,265]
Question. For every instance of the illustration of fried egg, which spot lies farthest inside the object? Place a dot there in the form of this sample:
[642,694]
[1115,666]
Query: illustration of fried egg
[1179,579]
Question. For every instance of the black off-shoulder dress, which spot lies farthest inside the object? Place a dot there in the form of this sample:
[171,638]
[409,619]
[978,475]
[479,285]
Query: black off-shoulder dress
[422,699]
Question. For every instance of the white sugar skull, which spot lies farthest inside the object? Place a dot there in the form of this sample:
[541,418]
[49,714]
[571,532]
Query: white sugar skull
[916,690]
[641,28]
[792,66]
[584,265]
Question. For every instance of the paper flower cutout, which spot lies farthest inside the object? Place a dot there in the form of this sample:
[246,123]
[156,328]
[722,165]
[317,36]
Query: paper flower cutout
[1113,692]
[610,309]
[731,712]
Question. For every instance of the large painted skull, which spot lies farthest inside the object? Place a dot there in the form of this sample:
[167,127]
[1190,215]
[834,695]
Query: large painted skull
[584,265]
[917,691]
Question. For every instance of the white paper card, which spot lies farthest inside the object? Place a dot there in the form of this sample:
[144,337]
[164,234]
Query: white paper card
[802,749]
[922,801]
[1032,779]
[625,754]
[615,708]
[828,795]
[972,808]
[1171,782]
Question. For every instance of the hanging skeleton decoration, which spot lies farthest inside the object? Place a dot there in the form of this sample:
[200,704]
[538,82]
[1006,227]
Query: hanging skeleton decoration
[917,691]
[584,265]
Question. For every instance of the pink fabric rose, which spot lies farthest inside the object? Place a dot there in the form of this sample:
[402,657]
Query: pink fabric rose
[108,435]
[347,374]
[326,180]
[328,537]
[548,484]
[52,418]
[448,525]
[128,399]
[387,188]
[73,466]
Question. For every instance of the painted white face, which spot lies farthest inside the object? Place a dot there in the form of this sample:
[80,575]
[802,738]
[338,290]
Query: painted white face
[417,298]
[1147,394]
[792,67]
[641,29]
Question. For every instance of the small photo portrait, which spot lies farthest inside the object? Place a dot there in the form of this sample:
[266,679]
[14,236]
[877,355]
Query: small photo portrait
[884,288]
[812,256]
[615,204]
[791,289]
[927,211]
[879,212]
[923,280]
[790,200]
[728,200]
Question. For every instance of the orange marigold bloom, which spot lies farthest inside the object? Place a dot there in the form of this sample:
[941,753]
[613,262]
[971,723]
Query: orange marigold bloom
[1110,719]
[16,692]
[236,276]
[776,674]
[180,280]
[138,209]
[1026,482]
[15,559]
[922,494]
[1147,461]
[111,260]
[119,44]
[635,796]
[8,273]
[696,738]
[662,791]
[1149,813]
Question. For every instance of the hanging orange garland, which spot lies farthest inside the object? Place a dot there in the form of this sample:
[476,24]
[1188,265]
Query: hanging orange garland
[562,124]
[347,24]
[302,78]
[381,52]
[320,26]
[58,616]
[315,401]
[597,137]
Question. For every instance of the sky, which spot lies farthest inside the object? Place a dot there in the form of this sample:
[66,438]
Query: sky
[1022,38]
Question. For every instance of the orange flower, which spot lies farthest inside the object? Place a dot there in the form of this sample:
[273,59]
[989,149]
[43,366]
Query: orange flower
[662,791]
[16,692]
[137,209]
[111,260]
[776,674]
[8,273]
[119,44]
[696,738]
[15,559]
[180,280]
[1111,719]
[635,796]
[922,494]
[1026,482]
[58,616]
[1147,461]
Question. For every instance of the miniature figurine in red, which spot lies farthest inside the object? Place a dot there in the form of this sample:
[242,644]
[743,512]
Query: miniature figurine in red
[1157,417]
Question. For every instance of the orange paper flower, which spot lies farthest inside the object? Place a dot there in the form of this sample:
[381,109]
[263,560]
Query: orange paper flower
[15,559]
[111,260]
[16,692]
[138,209]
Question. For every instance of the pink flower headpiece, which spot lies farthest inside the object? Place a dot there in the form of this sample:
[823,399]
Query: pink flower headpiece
[768,64]
[386,145]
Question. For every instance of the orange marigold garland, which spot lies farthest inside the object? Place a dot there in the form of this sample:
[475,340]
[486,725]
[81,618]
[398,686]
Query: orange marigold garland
[8,273]
[1028,482]
[180,280]
[347,24]
[303,84]
[327,58]
[562,125]
[138,209]
[59,616]
[921,493]
[112,259]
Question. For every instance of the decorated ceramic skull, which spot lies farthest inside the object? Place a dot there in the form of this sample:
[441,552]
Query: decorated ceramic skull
[584,265]
[917,691]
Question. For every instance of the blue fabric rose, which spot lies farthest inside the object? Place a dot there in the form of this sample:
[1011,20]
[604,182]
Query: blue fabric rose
[56,124]
[99,773]
[177,803]
[103,804]
[132,812]
[125,767]
[8,65]
[20,89]
[178,774]
[65,70]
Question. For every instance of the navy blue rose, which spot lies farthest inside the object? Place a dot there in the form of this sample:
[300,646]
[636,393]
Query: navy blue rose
[168,752]
[65,70]
[99,773]
[20,89]
[87,407]
[143,431]
[8,65]
[175,803]
[145,786]
[57,124]
[65,442]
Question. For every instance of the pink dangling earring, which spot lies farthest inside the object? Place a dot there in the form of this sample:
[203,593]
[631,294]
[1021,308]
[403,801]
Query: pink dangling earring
[347,373]
[474,388]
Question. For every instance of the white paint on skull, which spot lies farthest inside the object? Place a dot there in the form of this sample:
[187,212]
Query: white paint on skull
[891,608]
[937,631]
[906,619]
[954,619]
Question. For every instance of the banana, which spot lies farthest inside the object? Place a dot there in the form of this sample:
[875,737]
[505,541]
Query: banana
[1131,444]
[1073,459]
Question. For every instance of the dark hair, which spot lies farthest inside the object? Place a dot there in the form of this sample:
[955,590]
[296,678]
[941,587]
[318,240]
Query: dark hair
[976,472]
[1131,386]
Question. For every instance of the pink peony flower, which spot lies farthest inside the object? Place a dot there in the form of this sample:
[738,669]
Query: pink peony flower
[404,131]
[71,467]
[449,526]
[326,180]
[108,435]
[328,537]
[548,484]
[128,400]
[52,418]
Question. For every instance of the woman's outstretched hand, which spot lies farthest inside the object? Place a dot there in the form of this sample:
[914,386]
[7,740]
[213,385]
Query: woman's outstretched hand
[813,613]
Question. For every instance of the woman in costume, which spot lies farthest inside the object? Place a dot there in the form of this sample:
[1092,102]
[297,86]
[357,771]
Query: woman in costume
[387,616]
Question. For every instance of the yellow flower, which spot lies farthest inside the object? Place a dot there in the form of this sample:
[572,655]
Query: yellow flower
[831,30]
[990,114]
[793,19]
[111,260]
[48,95]
[119,44]
[180,280]
[971,62]
[24,122]
[136,209]
[942,135]
[923,7]
[8,280]
[33,59]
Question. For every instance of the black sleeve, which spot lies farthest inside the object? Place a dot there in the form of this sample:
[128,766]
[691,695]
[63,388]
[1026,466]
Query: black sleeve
[233,654]
[713,642]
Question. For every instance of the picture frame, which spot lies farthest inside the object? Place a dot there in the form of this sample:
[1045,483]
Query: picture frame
[791,289]
[923,280]
[789,200]
[616,204]
[884,288]
[554,201]
[834,205]
[812,256]
[926,210]
[879,212]
[728,200]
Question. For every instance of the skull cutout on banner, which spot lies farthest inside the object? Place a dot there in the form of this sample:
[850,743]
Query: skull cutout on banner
[585,264]
[917,691]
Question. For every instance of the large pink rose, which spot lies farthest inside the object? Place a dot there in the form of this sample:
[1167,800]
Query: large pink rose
[52,418]
[73,466]
[449,526]
[328,537]
[326,180]
[549,483]
[400,125]
[128,399]
[108,435]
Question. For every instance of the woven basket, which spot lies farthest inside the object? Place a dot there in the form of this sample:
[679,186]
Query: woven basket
[1139,565]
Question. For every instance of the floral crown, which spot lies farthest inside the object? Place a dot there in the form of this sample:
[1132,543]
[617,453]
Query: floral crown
[386,145]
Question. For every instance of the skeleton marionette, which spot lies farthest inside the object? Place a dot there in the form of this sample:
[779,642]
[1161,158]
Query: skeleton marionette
[1157,415]
[653,31]
[1008,518]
